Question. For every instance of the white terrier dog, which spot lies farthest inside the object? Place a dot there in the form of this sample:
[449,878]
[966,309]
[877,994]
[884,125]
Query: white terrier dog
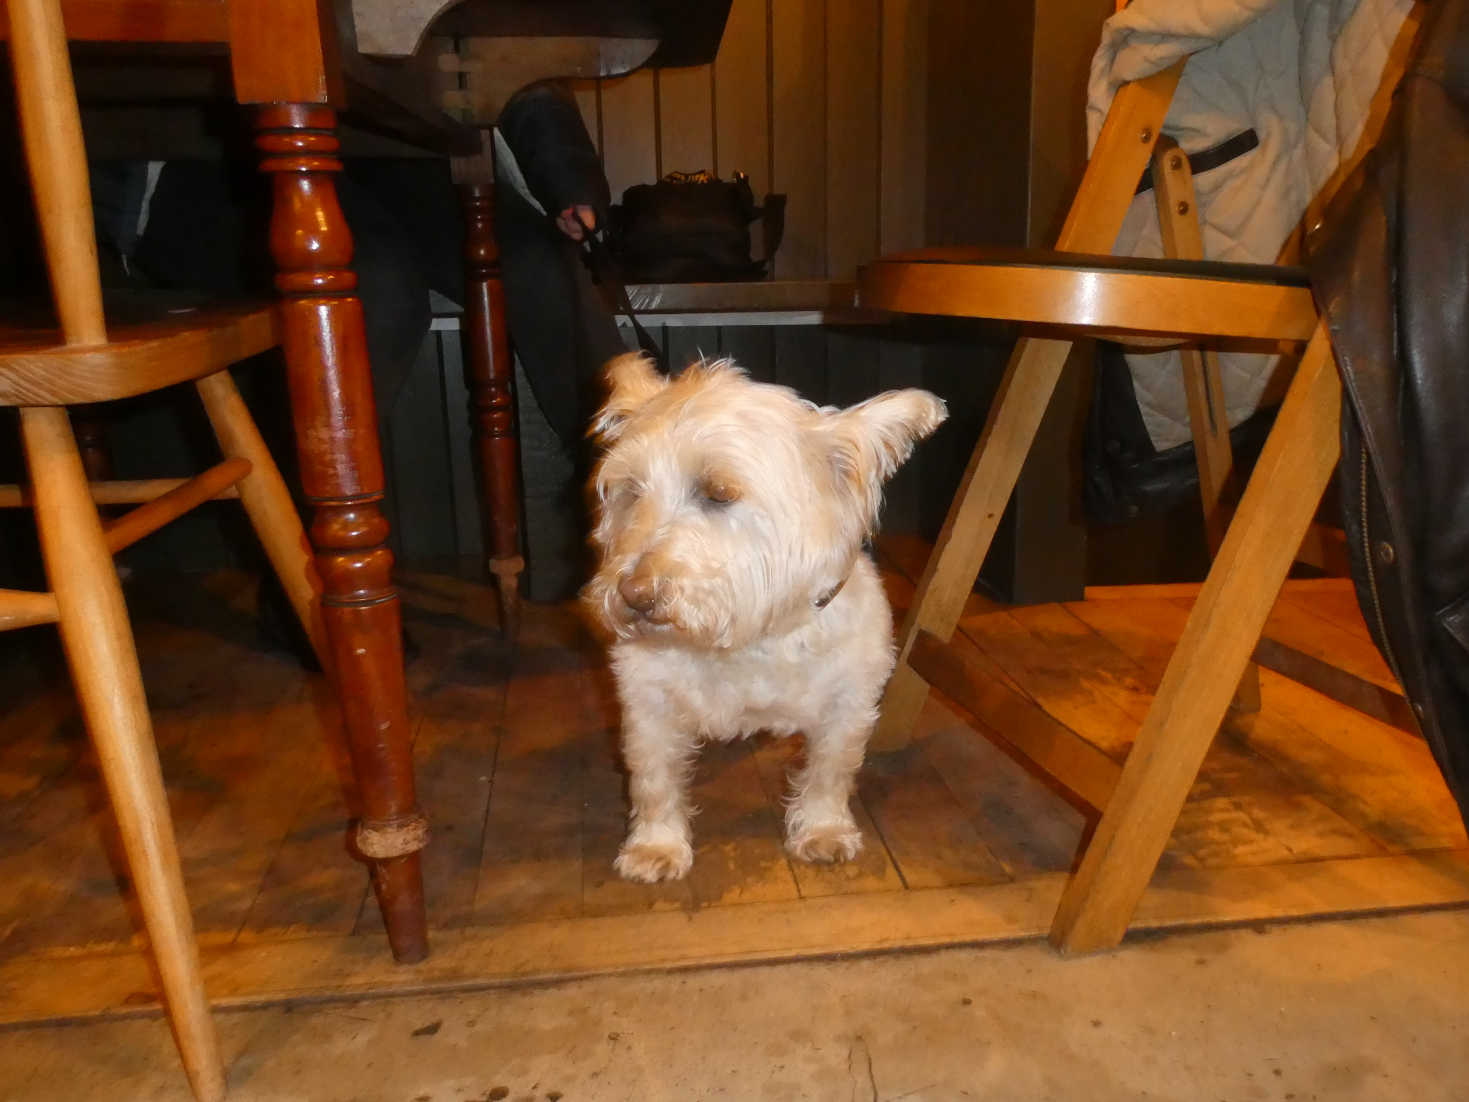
[732,517]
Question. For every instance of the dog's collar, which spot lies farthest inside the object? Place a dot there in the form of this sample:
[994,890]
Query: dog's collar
[831,594]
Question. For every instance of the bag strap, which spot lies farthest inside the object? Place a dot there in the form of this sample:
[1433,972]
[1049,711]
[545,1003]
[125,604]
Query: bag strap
[605,269]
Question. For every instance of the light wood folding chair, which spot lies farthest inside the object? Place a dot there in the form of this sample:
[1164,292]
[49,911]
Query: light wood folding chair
[42,372]
[1079,290]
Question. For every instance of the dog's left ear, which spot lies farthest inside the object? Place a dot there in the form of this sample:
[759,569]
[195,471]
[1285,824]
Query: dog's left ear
[873,438]
[632,379]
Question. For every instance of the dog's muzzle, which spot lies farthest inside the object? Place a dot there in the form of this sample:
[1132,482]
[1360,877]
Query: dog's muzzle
[640,595]
[639,592]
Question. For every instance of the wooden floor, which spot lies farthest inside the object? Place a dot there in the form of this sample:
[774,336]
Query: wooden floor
[1305,808]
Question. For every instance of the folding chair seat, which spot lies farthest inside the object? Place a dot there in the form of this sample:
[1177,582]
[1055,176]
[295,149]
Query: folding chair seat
[1122,297]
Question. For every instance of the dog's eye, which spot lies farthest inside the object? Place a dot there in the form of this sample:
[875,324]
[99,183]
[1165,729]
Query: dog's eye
[717,491]
[623,493]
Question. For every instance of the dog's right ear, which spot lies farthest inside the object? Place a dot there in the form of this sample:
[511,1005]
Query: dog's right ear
[872,439]
[632,379]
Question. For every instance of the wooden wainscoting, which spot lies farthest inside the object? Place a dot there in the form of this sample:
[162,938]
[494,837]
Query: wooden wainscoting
[823,101]
[432,501]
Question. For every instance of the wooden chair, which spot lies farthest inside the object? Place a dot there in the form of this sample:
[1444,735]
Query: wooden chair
[1080,290]
[43,372]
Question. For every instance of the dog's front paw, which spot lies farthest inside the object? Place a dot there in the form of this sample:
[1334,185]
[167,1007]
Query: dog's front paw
[825,843]
[651,859]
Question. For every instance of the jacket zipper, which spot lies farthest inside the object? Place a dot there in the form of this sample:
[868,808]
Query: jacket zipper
[1372,576]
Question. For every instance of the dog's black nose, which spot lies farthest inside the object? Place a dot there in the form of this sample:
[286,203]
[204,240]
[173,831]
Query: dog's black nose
[639,592]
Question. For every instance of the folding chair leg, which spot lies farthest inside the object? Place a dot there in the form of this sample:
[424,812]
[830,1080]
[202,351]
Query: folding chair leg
[1096,215]
[109,684]
[1222,630]
[1025,392]
[268,503]
[1178,218]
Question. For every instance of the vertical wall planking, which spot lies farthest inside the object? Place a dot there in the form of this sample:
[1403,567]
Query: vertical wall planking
[852,363]
[418,459]
[853,136]
[798,146]
[1065,37]
[685,119]
[684,344]
[800,361]
[821,100]
[903,123]
[854,33]
[741,120]
[752,347]
[469,519]
[900,365]
[629,137]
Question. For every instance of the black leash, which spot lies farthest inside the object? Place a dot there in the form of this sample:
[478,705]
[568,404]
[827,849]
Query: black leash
[606,273]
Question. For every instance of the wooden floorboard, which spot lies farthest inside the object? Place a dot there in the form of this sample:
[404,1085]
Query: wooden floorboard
[1053,657]
[739,856]
[1299,621]
[455,760]
[961,673]
[930,834]
[1026,824]
[873,869]
[1241,820]
[1305,808]
[530,864]
[1335,601]
[311,886]
[604,823]
[253,973]
[1377,778]
[45,865]
[43,735]
[227,850]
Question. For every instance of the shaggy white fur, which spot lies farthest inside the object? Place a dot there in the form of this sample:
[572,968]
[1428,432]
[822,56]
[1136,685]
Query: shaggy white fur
[731,522]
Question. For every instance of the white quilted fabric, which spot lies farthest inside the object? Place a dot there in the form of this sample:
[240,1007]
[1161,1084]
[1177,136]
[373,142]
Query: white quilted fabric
[1302,73]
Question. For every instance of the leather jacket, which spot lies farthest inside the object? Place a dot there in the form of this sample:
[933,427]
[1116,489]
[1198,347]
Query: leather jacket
[1390,269]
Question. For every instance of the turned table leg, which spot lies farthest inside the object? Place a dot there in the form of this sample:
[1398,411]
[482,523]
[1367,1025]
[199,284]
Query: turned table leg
[489,370]
[342,475]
